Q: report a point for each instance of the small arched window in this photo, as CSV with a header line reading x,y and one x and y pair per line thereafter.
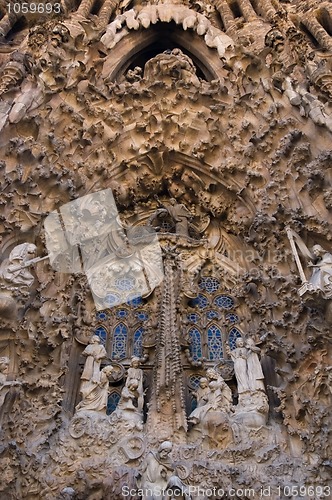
x,y
214,342
112,402
196,343
211,321
119,345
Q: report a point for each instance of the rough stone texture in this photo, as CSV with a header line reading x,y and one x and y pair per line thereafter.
x,y
236,127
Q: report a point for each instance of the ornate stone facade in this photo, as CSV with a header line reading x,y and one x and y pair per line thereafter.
x,y
210,123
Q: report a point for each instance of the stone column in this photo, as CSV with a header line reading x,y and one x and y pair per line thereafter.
x,y
85,8
247,10
317,31
167,416
106,11
6,24
225,13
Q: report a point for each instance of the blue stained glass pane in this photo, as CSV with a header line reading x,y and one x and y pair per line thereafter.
x,y
201,301
119,349
233,335
212,314
142,316
112,402
101,315
232,318
193,317
215,343
122,313
135,302
102,334
224,302
193,404
125,284
194,381
195,344
112,299
211,285
138,337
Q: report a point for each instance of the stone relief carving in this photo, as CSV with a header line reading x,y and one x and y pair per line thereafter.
x,y
95,391
240,149
157,474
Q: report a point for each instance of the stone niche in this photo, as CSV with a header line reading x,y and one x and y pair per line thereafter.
x,y
165,301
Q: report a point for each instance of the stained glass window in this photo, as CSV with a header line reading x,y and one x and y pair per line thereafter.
x,y
102,334
101,315
141,316
193,317
233,335
122,313
232,318
214,343
194,381
200,301
224,302
119,348
112,402
195,344
138,337
135,302
212,314
211,285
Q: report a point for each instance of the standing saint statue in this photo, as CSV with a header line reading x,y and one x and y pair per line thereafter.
x,y
247,367
254,367
95,352
239,356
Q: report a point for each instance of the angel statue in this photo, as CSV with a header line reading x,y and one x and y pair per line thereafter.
x,y
319,260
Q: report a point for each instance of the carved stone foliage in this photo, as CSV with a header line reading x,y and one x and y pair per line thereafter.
x,y
209,122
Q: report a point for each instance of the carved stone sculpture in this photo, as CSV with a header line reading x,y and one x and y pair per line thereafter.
x,y
95,352
179,214
157,474
16,272
255,372
239,355
135,376
201,395
95,391
321,277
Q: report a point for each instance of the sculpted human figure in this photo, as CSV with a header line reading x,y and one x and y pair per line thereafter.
x,y
255,372
321,277
4,384
179,213
135,374
95,352
16,271
201,395
239,356
95,391
220,397
214,395
157,474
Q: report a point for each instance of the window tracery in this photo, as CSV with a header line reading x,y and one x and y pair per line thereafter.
x,y
211,320
121,329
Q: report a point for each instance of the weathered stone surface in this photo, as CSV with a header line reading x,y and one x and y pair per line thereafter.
x,y
211,123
